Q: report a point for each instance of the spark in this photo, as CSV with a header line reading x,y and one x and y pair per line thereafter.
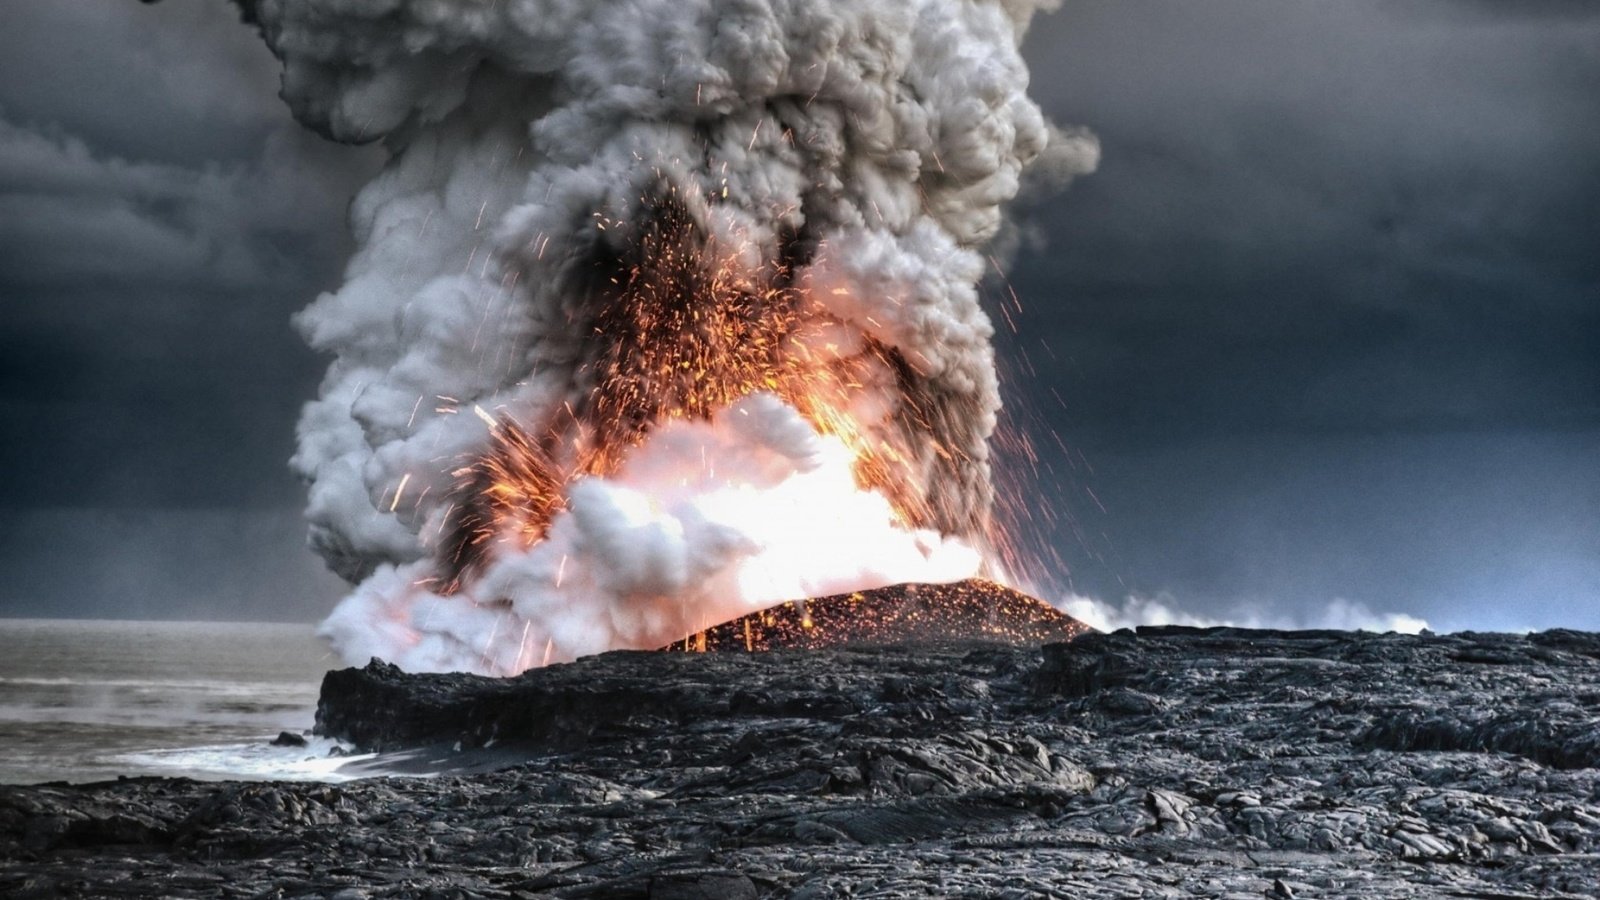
x,y
522,645
395,503
686,327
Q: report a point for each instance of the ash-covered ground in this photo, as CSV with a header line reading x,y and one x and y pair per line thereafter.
x,y
1168,763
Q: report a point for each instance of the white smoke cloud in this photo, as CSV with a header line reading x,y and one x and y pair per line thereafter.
x,y
706,522
1132,612
1070,154
529,139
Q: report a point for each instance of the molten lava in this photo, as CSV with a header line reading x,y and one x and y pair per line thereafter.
x,y
906,613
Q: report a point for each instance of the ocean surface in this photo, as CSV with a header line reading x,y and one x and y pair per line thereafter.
x,y
90,700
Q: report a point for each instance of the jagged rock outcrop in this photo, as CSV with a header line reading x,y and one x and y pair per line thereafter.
x,y
1168,763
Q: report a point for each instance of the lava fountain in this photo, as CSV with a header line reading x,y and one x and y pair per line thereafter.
x,y
662,313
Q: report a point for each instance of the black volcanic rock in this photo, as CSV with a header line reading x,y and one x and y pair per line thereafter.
x,y
382,708
1168,763
288,739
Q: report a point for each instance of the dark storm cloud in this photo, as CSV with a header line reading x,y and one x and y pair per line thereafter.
x,y
180,82
1494,11
1327,218
133,563
71,219
160,218
1327,319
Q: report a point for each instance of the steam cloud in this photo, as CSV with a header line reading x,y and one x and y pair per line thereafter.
x,y
834,166
1135,611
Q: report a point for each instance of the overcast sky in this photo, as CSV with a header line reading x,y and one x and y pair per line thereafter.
x,y
1324,326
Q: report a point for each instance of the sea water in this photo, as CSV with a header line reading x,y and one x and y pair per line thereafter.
x,y
87,700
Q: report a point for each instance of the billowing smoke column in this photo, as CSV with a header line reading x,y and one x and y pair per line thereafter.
x,y
662,312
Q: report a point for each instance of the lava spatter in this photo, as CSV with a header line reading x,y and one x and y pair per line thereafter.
x,y
899,614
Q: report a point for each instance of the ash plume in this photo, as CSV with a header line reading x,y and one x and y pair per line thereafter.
x,y
661,312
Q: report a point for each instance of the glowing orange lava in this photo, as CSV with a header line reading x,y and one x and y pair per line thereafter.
x,y
683,328
966,610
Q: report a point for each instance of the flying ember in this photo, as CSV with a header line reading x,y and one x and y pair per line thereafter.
x,y
656,319
682,331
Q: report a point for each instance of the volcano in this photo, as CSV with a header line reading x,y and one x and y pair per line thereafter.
x,y
635,343
900,614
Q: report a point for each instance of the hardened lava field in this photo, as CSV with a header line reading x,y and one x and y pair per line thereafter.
x,y
901,614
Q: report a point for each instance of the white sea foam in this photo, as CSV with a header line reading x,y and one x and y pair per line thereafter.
x,y
250,760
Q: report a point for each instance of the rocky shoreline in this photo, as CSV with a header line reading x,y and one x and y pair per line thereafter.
x,y
1168,763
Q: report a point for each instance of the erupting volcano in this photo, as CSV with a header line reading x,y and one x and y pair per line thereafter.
x,y
659,316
